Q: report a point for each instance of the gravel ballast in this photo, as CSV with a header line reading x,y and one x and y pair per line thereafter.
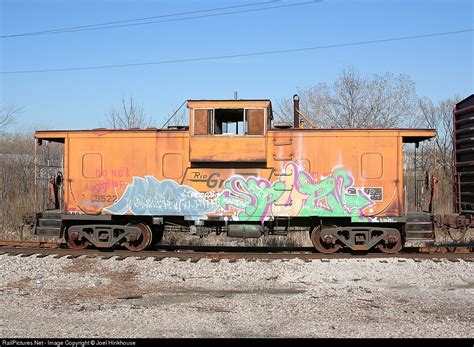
x,y
93,297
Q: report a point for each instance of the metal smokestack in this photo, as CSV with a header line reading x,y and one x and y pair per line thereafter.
x,y
296,111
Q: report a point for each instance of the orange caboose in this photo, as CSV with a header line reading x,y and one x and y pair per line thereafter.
x,y
231,170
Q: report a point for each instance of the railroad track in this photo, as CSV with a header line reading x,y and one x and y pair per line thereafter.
x,y
194,254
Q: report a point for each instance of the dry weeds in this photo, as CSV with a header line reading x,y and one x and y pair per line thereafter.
x,y
294,239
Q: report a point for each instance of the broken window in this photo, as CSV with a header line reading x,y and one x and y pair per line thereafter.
x,y
229,121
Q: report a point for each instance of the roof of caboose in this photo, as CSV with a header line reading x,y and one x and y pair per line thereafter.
x,y
231,100
408,135
229,103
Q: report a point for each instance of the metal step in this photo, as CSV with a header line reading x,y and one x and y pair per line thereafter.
x,y
418,231
418,217
420,236
48,231
419,240
51,215
418,226
54,223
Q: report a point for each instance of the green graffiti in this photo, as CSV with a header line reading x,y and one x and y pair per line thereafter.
x,y
326,198
332,191
252,195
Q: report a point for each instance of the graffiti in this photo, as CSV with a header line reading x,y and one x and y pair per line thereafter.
x,y
296,193
253,196
382,220
149,196
249,198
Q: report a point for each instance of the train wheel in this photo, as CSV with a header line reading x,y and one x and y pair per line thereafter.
x,y
325,246
143,240
74,241
394,246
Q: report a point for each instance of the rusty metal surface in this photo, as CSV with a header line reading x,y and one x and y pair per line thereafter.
x,y
139,242
325,245
296,111
74,240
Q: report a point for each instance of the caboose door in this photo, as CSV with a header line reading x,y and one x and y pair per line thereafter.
x,y
48,171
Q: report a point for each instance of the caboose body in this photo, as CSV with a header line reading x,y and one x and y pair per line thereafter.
x,y
232,171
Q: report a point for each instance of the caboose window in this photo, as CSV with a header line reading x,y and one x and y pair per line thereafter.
x,y
226,121
229,121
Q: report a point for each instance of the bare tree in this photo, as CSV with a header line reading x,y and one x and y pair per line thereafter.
x,y
439,117
128,115
8,115
440,150
355,101
16,181
435,157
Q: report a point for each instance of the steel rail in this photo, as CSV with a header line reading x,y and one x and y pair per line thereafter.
x,y
196,255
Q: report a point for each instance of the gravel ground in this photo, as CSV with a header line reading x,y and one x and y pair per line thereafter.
x,y
89,297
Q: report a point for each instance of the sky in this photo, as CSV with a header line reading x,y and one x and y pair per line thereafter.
x,y
441,66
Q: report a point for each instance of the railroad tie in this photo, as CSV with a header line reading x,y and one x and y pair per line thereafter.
x,y
73,256
41,255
